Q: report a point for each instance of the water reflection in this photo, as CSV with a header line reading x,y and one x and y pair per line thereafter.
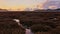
x,y
28,30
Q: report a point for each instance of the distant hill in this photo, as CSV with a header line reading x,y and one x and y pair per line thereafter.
x,y
3,10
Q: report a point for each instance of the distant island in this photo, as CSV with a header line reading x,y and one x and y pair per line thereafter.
x,y
36,10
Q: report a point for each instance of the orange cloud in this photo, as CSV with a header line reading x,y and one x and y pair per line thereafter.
x,y
4,5
52,7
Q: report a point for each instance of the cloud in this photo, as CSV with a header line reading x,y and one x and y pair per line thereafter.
x,y
19,3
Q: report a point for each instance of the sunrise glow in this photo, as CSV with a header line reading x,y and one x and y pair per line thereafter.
x,y
20,4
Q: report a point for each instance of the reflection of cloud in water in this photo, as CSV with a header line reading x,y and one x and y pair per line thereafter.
x,y
18,22
28,31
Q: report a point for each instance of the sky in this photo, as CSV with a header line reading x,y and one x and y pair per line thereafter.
x,y
20,4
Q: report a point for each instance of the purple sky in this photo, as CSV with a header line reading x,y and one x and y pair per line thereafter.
x,y
52,3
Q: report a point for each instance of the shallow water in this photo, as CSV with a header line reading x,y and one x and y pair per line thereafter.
x,y
28,31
